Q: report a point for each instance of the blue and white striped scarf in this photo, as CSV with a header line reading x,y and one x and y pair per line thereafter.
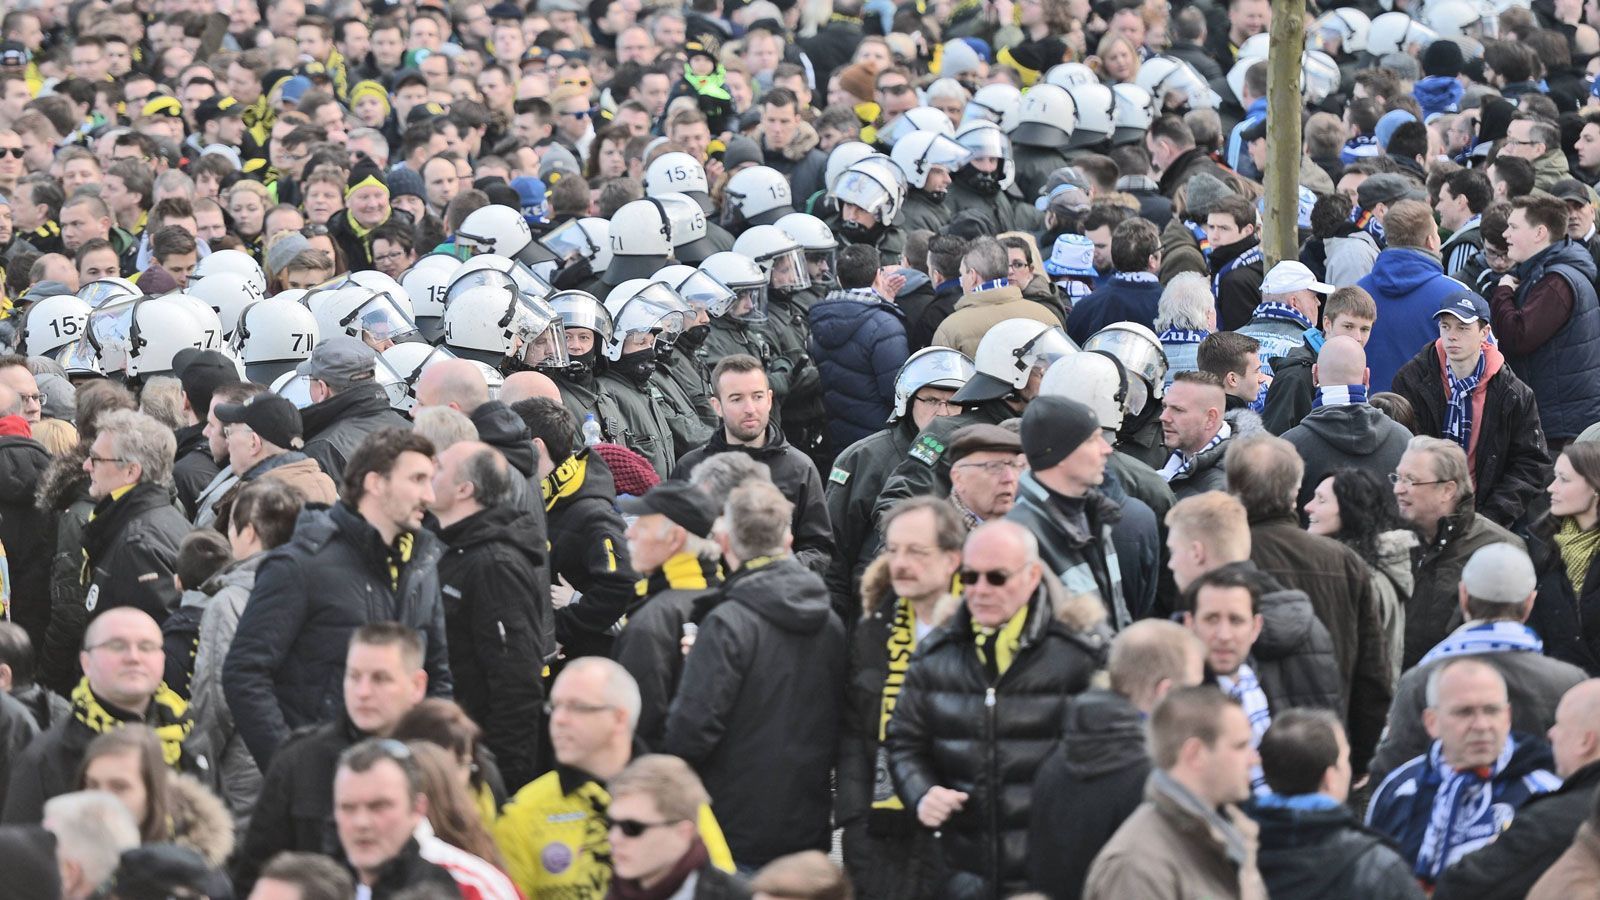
x,y
1271,309
1340,395
1179,464
1458,404
1244,687
1486,637
1463,816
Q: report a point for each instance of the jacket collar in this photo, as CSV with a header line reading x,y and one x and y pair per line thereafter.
x,y
1223,829
1007,293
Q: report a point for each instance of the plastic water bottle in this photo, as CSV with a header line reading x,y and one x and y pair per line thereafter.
x,y
591,430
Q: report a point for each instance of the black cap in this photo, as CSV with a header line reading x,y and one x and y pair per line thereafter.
x,y
1571,190
981,387
683,503
1053,427
506,11
28,857
1256,131
273,417
1443,57
217,108
201,372
161,871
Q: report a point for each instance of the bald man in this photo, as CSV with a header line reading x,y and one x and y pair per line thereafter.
x,y
524,385
122,663
1343,429
1545,825
460,385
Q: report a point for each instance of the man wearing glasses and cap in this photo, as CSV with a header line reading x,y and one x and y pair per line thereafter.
x,y
957,717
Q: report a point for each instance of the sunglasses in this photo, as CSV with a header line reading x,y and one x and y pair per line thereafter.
x,y
633,827
13,152
993,578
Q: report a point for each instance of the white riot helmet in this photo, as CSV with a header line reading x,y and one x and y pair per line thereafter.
x,y
498,325
1319,76
228,293
1167,77
588,237
409,361
1256,46
1347,25
758,195
160,327
580,309
426,283
917,154
1099,381
1135,113
1395,32
1238,73
1139,351
643,307
843,157
273,336
490,268
678,172
108,290
746,280
1455,18
51,324
236,261
1097,114
817,241
502,231
939,367
778,254
361,313
1008,354
875,185
698,289
1046,118
1068,74
687,224
641,240
985,140
210,323
916,121
997,103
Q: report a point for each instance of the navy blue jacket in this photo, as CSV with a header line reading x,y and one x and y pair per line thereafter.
x,y
1407,285
1562,371
1118,300
859,345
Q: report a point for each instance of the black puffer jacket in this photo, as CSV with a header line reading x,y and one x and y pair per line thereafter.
x,y
295,811
1088,786
757,711
1089,560
1292,392
335,427
501,428
494,617
796,476
24,533
285,668
131,552
1293,657
589,549
953,728
1541,832
1325,854
193,467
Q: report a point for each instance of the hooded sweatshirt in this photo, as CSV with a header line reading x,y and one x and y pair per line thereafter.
x,y
1438,94
1407,284
1355,434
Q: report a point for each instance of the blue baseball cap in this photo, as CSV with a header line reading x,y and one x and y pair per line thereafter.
x,y
531,192
1465,304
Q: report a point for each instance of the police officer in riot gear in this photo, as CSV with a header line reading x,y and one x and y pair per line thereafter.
x,y
642,311
1044,126
588,326
927,159
788,330
869,194
986,182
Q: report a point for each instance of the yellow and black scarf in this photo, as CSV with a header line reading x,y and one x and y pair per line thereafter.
x,y
564,481
683,572
168,717
399,555
902,642
997,647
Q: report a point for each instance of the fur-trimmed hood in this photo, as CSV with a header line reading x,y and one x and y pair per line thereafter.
x,y
876,589
1081,613
804,141
200,821
64,482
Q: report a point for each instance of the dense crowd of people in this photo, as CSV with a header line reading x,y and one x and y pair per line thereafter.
x,y
548,449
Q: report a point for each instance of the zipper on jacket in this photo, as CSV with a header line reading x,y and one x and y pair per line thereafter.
x,y
997,841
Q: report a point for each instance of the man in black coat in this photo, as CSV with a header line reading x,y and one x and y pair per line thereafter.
x,y
758,707
1094,779
1311,844
383,680
669,543
494,612
24,528
367,559
983,703
1343,430
200,373
742,397
348,403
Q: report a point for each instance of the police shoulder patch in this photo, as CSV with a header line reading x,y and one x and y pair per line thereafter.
x,y
927,450
838,475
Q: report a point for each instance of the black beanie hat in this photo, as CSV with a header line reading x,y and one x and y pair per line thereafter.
x,y
1053,427
1443,57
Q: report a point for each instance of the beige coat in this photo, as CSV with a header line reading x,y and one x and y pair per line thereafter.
x,y
1576,873
1167,850
976,313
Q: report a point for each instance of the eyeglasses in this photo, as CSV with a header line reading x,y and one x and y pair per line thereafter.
x,y
31,398
940,403
385,257
633,827
107,459
572,706
1016,264
993,577
1398,479
120,647
580,114
13,152
994,467
314,231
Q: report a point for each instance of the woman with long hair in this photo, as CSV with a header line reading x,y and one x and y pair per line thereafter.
x,y
1563,545
168,807
1357,509
607,154
444,724
460,843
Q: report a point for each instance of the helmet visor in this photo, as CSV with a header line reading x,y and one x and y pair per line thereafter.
x,y
381,323
79,358
821,266
704,291
860,189
569,240
788,271
98,293
748,305
539,337
1136,353
476,278
986,142
1049,346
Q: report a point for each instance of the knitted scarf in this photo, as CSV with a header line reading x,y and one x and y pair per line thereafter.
x,y
902,641
1577,550
1486,637
997,647
1200,238
1271,309
168,716
1179,464
1182,336
1340,395
1462,812
1245,688
1458,411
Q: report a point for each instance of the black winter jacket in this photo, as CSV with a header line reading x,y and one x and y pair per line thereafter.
x,y
851,491
501,428
954,728
1205,474
588,548
1568,622
1357,435
25,534
358,248
406,871
494,618
758,708
64,496
131,551
1510,461
1339,586
859,345
1238,288
1088,560
337,425
1293,657
295,808
1434,604
796,476
193,467
1088,786
17,730
925,467
1326,854
1292,391
285,668
1543,830
924,318
650,647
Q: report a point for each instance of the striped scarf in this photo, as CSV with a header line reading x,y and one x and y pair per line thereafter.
x,y
1458,412
902,641
167,716
1463,816
1182,336
1486,637
1179,464
1340,395
1271,309
997,647
1244,688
